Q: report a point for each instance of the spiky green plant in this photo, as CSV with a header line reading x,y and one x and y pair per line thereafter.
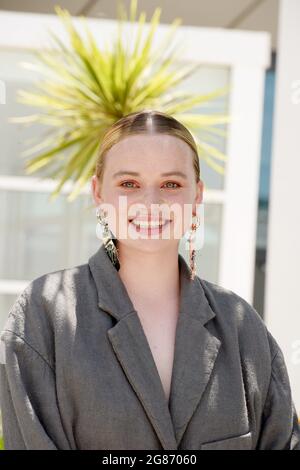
x,y
86,89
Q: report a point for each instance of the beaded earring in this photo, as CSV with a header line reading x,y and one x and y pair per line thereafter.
x,y
190,236
103,233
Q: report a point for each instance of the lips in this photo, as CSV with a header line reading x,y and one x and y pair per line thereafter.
x,y
149,227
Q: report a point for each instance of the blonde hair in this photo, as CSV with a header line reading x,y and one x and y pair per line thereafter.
x,y
145,122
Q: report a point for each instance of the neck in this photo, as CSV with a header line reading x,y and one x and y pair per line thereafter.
x,y
150,275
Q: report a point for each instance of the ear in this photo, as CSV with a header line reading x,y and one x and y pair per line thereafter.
x,y
96,188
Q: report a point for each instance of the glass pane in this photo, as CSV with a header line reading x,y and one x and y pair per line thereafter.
x,y
38,236
208,79
14,136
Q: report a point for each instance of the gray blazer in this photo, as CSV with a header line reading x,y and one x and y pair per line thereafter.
x,y
77,371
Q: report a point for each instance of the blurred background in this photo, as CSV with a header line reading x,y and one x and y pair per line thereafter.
x,y
252,226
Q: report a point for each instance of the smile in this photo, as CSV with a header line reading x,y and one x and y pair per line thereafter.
x,y
149,227
145,224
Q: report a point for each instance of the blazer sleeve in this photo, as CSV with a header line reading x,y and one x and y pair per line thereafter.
x,y
280,428
30,414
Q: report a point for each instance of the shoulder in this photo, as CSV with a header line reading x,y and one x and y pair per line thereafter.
x,y
53,285
238,318
229,306
50,288
40,308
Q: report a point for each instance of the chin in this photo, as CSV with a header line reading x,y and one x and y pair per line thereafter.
x,y
149,245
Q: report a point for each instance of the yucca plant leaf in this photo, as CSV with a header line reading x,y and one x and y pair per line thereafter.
x,y
42,159
211,151
87,171
199,120
77,163
84,86
192,101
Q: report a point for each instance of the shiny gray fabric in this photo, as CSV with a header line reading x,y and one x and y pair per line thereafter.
x,y
77,371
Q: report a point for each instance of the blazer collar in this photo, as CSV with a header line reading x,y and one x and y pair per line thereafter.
x,y
196,349
114,299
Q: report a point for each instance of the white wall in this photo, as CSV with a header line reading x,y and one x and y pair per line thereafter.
x,y
282,308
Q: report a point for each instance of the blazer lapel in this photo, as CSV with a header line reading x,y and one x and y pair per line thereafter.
x,y
195,351
131,347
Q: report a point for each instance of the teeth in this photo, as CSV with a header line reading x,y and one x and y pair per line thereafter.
x,y
146,224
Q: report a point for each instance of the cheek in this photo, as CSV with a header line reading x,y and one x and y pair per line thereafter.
x,y
183,215
120,208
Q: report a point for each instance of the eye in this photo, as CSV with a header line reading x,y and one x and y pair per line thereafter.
x,y
127,182
172,182
132,183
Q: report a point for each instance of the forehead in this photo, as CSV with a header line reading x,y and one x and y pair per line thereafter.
x,y
146,152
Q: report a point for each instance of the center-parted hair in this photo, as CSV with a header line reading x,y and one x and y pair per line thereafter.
x,y
145,122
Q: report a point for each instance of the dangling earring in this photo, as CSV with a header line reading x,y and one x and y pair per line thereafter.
x,y
103,233
192,252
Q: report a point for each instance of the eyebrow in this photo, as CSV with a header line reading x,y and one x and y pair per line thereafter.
x,y
134,173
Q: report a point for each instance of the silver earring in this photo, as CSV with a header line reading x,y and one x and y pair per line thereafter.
x,y
103,233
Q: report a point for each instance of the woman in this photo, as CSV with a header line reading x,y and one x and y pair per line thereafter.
x,y
132,350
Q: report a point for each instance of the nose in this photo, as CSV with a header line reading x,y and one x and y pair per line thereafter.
x,y
151,196
150,202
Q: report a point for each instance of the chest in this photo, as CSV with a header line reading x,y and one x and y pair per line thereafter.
x,y
160,330
108,390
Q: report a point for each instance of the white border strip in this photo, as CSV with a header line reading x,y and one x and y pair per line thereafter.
x,y
217,46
